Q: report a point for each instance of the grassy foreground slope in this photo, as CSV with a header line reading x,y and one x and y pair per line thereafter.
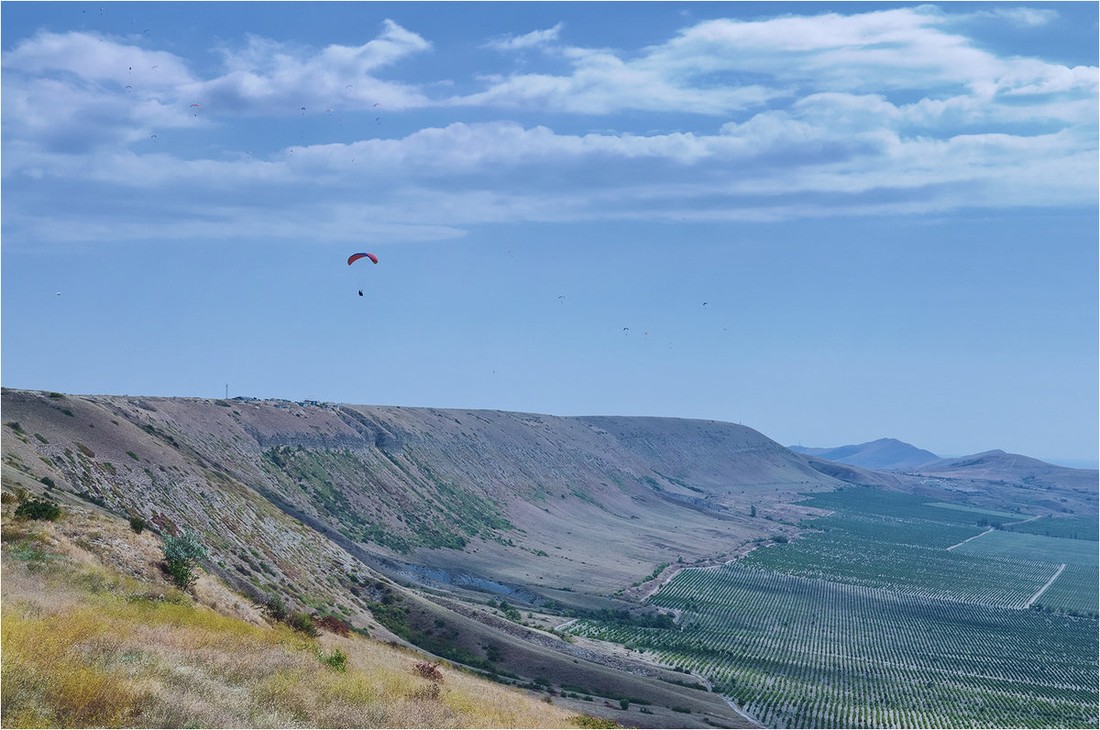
x,y
93,636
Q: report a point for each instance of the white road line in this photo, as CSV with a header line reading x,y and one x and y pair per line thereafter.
x,y
971,538
1041,590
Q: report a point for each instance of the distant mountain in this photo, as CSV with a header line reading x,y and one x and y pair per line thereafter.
x,y
880,454
999,465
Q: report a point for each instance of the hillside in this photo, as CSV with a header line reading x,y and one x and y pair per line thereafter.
x,y
94,635
337,509
1001,466
886,453
484,489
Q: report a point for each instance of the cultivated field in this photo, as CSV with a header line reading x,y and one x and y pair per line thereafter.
x,y
873,622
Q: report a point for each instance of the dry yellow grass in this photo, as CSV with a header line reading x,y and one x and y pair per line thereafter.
x,y
86,646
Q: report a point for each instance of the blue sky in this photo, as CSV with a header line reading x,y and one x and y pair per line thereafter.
x,y
832,222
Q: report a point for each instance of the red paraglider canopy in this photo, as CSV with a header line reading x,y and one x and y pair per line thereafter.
x,y
356,256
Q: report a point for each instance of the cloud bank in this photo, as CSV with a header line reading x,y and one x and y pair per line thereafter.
x,y
870,113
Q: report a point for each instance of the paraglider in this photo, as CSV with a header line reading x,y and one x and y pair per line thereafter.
x,y
356,256
363,255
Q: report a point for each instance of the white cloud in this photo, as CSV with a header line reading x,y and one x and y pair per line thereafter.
x,y
92,59
265,77
533,39
1022,17
73,91
873,112
726,66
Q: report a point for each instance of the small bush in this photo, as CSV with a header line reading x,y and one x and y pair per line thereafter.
x,y
429,671
300,621
137,524
427,692
182,554
275,607
48,482
38,509
93,498
334,625
337,660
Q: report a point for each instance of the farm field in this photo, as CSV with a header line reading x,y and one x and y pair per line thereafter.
x,y
1027,546
1076,528
920,571
870,621
976,510
1074,591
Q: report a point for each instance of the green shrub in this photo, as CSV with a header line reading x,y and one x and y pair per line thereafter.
x,y
275,607
300,621
337,660
137,524
181,556
38,509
